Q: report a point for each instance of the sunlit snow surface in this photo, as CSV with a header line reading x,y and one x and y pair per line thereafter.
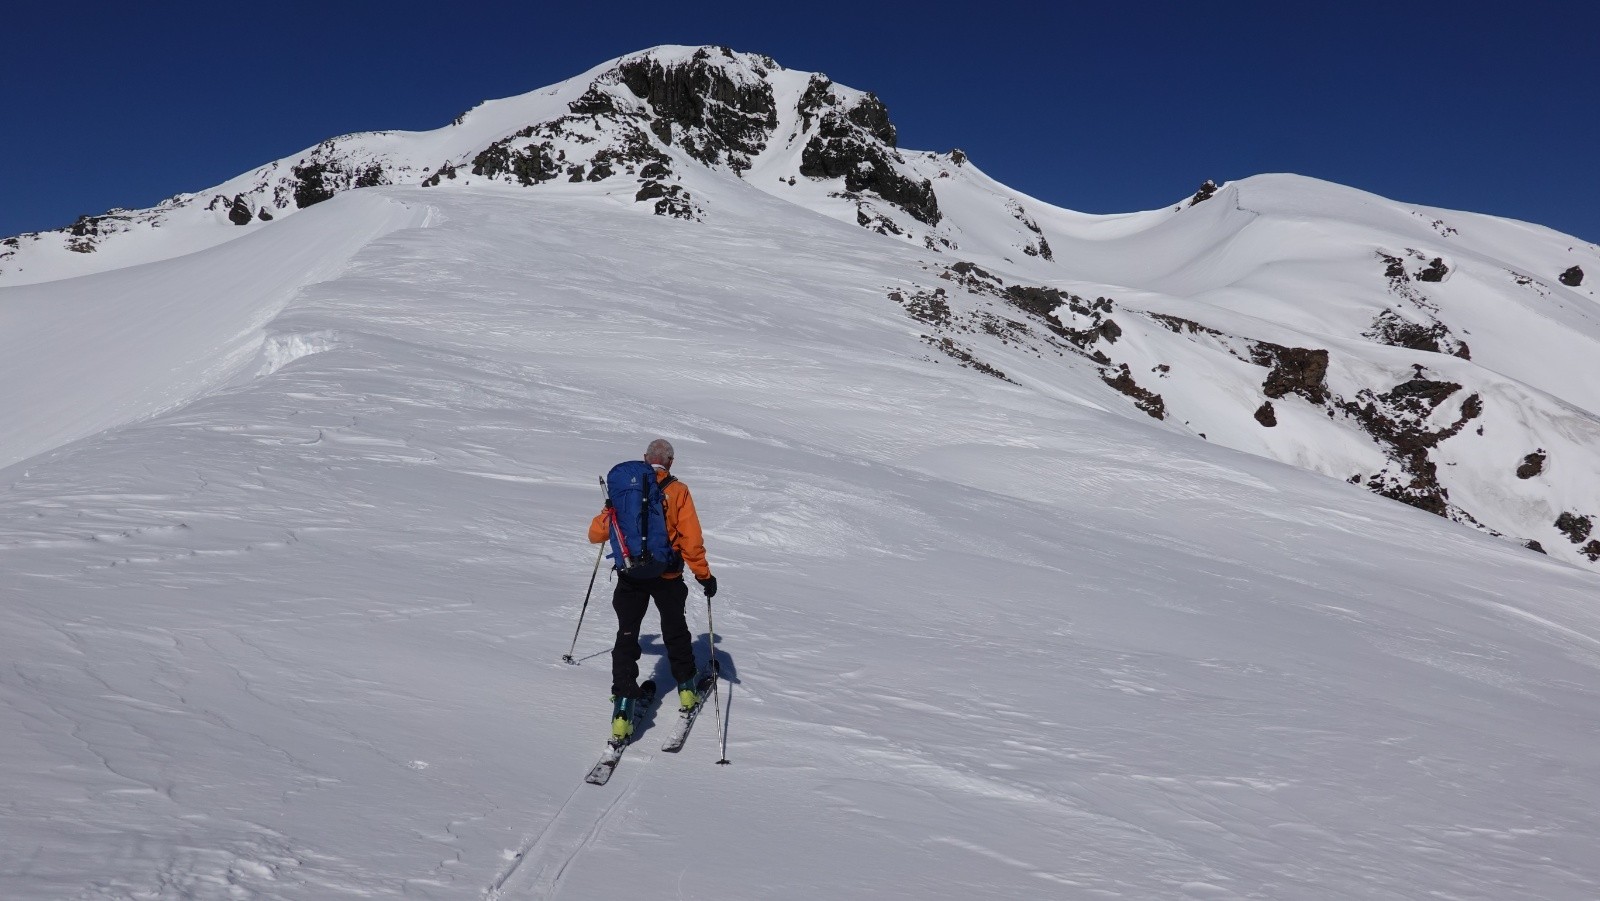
x,y
290,625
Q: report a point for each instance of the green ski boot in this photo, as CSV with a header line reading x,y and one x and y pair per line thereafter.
x,y
621,719
689,694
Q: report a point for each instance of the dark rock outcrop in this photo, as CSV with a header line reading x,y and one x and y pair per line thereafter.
x,y
1038,247
1266,415
1575,527
962,355
1207,191
594,102
671,200
1396,331
314,183
1532,465
1295,370
326,175
529,165
1435,271
858,145
1572,278
1179,325
712,117
1397,420
872,220
1150,402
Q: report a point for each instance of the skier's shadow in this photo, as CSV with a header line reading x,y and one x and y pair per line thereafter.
x,y
651,645
727,670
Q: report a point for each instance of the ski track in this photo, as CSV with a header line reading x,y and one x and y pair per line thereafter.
x,y
564,838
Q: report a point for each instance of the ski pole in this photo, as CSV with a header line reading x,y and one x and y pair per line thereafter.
x,y
716,677
568,655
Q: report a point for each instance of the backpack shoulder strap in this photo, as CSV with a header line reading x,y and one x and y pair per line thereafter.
x,y
663,486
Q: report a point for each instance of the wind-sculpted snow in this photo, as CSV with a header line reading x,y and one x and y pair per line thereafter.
x,y
300,636
85,355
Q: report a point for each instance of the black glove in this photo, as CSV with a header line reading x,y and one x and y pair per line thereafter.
x,y
708,585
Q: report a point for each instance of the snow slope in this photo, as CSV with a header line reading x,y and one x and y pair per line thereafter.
x,y
291,546
300,638
98,351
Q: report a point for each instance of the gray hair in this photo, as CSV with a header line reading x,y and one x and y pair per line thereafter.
x,y
659,452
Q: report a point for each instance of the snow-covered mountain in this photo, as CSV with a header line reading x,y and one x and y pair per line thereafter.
x,y
1440,358
296,473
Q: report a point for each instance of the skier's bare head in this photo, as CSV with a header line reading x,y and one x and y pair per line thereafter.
x,y
659,453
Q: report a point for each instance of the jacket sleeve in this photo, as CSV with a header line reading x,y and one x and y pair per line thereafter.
x,y
597,529
684,525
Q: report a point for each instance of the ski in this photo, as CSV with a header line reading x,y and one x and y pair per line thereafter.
x,y
686,718
603,768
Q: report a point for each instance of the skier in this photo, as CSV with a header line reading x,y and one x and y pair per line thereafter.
x,y
632,597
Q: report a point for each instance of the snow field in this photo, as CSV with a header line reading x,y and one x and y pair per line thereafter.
x,y
300,636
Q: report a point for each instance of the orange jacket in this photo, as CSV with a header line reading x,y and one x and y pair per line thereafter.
x,y
683,527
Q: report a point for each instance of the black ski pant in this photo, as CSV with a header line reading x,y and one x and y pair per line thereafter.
x,y
631,600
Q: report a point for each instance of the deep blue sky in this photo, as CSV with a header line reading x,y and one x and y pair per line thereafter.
x,y
1103,107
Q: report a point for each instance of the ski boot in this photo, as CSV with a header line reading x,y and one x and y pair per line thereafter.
x,y
621,719
689,696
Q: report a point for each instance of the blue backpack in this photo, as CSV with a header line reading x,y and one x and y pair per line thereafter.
x,y
637,504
